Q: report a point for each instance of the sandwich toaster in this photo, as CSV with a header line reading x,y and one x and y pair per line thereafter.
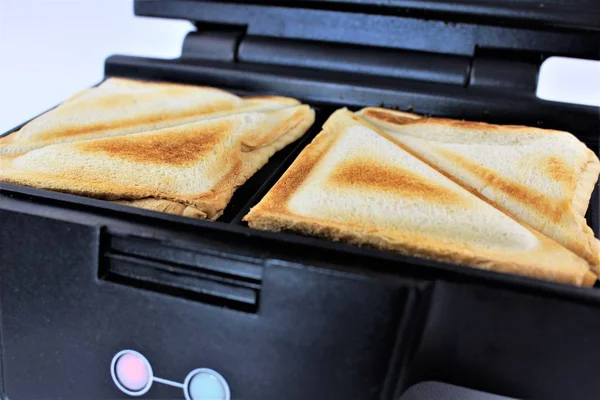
x,y
99,300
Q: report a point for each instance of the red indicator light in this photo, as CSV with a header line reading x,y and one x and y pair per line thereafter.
x,y
131,372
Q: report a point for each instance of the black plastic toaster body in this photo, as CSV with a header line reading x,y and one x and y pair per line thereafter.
x,y
283,316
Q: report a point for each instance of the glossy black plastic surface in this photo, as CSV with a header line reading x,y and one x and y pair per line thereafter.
x,y
279,315
358,59
493,25
62,325
551,14
283,316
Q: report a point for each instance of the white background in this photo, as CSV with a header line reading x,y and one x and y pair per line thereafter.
x,y
50,49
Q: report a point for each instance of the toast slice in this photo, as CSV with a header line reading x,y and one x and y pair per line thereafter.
x,y
190,169
353,183
122,106
543,178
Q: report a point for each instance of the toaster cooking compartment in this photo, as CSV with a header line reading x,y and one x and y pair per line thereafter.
x,y
278,315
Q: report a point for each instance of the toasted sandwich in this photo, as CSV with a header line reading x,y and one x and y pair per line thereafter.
x,y
356,184
123,106
190,169
543,178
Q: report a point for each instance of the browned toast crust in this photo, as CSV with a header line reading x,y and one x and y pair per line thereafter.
x,y
273,213
238,156
561,219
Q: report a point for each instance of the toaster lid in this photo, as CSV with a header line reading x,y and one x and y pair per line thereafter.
x,y
541,28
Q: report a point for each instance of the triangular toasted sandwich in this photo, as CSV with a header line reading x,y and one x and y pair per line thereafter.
x,y
541,177
190,169
121,106
354,183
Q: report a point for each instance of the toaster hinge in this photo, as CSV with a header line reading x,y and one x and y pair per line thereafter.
x,y
488,68
504,70
212,44
354,59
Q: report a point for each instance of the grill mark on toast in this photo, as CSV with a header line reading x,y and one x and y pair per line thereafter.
x,y
555,168
485,127
137,121
178,148
298,172
363,173
526,196
396,117
392,118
